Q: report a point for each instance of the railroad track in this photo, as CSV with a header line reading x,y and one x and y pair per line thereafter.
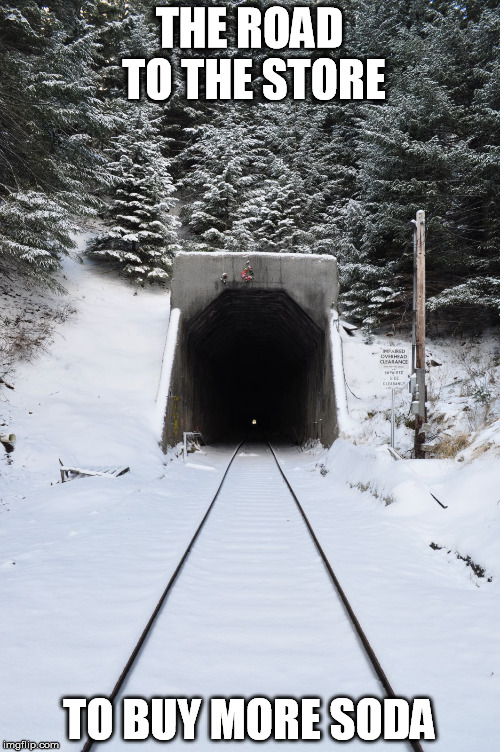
x,y
268,497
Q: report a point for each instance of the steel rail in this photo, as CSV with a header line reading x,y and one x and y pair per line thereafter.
x,y
142,639
415,744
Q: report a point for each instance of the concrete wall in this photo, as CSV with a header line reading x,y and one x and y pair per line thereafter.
x,y
310,280
305,401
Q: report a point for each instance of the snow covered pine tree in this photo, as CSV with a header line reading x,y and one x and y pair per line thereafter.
x,y
143,240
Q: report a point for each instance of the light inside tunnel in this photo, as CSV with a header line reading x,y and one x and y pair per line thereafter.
x,y
254,358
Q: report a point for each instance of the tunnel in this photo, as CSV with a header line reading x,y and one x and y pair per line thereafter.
x,y
253,363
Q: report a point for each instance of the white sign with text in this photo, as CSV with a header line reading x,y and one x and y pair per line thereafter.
x,y
395,364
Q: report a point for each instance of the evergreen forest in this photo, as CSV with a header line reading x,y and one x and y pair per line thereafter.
x,y
302,176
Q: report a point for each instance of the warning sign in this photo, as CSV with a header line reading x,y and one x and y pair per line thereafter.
x,y
395,364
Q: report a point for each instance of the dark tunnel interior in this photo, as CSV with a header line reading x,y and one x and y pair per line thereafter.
x,y
255,367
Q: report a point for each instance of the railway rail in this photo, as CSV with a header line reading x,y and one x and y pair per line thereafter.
x,y
140,646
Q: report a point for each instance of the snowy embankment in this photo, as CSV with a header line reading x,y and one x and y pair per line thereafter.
x,y
432,621
90,399
463,391
84,563
462,472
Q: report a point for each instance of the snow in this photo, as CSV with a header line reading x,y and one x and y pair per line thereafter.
x,y
239,254
166,369
84,563
252,579
430,620
343,417
462,379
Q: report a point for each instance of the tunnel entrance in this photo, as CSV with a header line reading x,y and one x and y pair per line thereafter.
x,y
243,351
255,366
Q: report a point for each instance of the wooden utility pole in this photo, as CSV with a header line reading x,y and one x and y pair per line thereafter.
x,y
419,304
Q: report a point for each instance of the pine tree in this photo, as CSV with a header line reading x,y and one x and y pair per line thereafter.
x,y
337,177
217,166
142,239
260,178
425,148
51,124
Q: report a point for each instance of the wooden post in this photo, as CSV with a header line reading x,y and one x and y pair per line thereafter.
x,y
414,303
420,417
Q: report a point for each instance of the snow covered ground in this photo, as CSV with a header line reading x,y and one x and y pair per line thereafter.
x,y
463,387
83,563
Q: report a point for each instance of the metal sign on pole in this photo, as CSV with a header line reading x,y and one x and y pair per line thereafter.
x,y
395,365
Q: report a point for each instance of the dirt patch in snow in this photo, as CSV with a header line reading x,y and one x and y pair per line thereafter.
x,y
479,571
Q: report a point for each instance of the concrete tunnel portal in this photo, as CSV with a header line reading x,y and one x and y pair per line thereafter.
x,y
251,359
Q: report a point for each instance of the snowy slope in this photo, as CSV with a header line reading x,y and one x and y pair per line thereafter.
x,y
91,400
432,621
463,387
